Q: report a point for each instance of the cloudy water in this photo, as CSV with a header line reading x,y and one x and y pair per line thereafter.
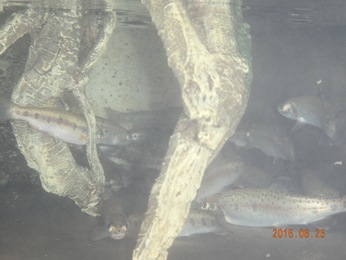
x,y
285,154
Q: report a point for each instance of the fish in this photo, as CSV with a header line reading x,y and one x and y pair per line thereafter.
x,y
336,129
117,176
312,185
115,223
286,184
201,222
147,154
271,208
113,134
164,119
134,222
311,110
68,127
253,177
219,174
269,139
240,139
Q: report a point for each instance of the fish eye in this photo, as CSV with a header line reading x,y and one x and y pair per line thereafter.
x,y
205,205
111,228
134,136
286,107
123,229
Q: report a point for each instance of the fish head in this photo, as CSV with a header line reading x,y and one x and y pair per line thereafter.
x,y
113,136
309,110
289,110
117,232
240,139
209,205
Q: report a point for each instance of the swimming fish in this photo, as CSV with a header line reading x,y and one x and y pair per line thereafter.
x,y
267,138
113,134
115,224
336,129
219,174
201,222
240,139
268,208
312,185
253,177
66,126
164,119
311,110
117,176
134,222
286,184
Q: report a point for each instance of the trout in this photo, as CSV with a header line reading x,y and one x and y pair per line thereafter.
x,y
66,126
115,224
201,222
268,208
309,110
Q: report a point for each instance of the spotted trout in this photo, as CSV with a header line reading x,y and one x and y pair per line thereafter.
x,y
219,175
66,126
267,208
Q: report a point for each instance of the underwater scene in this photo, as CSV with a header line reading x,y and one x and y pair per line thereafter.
x,y
175,130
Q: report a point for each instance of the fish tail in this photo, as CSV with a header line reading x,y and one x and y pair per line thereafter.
x,y
99,233
5,107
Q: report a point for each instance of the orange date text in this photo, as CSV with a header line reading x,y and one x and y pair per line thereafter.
x,y
299,233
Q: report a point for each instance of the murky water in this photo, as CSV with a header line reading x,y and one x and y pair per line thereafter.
x,y
298,48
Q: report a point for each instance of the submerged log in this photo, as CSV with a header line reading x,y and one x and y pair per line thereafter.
x,y
208,49
53,67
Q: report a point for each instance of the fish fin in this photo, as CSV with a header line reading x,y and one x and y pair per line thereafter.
x,y
297,126
228,228
220,231
320,92
134,227
285,184
123,119
5,106
322,96
99,233
326,223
